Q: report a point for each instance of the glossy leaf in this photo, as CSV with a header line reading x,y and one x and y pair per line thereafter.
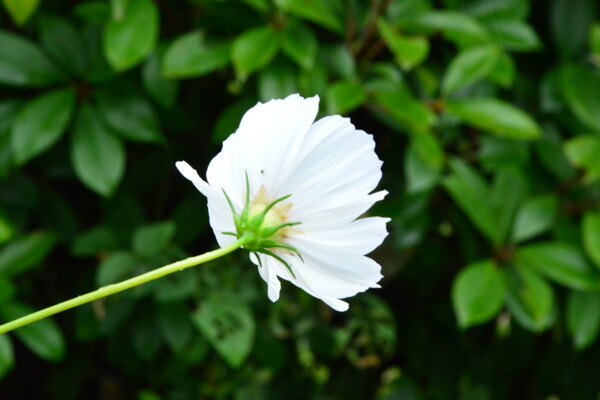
x,y
478,293
515,35
129,40
64,44
509,190
228,326
458,27
189,56
470,66
6,355
561,262
583,318
41,123
409,51
530,299
569,22
25,252
535,217
254,49
590,232
149,240
322,12
497,117
97,155
582,151
162,90
300,43
43,337
345,96
116,267
22,63
423,163
580,87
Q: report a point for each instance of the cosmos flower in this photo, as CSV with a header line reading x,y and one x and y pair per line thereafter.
x,y
327,169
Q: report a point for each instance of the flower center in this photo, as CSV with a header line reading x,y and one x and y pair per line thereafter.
x,y
277,215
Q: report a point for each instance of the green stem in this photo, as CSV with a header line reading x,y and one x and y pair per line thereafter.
x,y
121,286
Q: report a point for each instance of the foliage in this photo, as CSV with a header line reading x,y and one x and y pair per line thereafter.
x,y
486,113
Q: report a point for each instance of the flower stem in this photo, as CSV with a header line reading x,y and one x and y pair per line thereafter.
x,y
121,286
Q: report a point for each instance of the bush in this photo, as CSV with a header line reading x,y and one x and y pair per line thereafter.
x,y
486,114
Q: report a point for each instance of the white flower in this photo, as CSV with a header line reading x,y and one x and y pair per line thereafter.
x,y
329,170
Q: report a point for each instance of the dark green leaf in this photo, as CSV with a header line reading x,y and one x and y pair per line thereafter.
x,y
94,242
42,337
25,252
228,325
174,325
130,39
401,105
560,262
6,355
41,123
470,66
583,318
190,56
535,217
254,49
162,90
64,44
322,12
595,39
530,299
497,153
515,35
570,21
115,268
98,156
509,190
300,43
423,163
580,87
457,27
590,232
21,10
151,239
478,293
130,115
504,71
276,81
471,193
23,64
497,117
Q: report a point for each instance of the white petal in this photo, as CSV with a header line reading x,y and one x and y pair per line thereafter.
x,y
268,274
359,237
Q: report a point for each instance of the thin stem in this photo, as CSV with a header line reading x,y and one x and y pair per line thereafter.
x,y
121,286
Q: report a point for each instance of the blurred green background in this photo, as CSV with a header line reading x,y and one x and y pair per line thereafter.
x,y
485,112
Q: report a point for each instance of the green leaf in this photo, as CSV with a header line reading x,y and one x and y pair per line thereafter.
x,y
7,358
276,81
457,27
41,123
580,87
162,90
504,71
534,217
25,252
93,242
471,193
174,325
21,10
345,96
470,66
515,35
300,43
595,39
322,12
497,153
583,318
561,262
151,239
497,117
129,115
42,337
570,21
424,161
530,299
22,63
509,190
228,326
115,268
98,156
254,49
64,44
582,151
190,56
130,39
402,106
478,293
409,51
118,8
590,232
